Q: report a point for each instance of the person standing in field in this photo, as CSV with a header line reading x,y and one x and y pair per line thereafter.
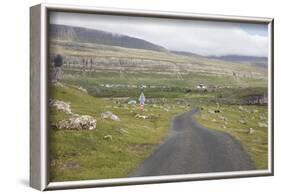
x,y
58,62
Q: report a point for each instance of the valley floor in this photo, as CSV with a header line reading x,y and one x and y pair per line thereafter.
x,y
82,155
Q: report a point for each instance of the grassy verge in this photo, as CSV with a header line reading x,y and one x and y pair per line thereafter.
x,y
81,155
237,121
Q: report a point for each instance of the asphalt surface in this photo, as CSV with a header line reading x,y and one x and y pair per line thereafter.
x,y
192,148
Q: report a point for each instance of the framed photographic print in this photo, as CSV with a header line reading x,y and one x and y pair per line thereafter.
x,y
124,97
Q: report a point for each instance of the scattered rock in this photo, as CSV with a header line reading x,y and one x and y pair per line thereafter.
x,y
243,122
115,118
255,111
57,84
224,127
154,116
166,109
211,111
240,108
262,124
132,102
178,103
221,117
214,120
109,115
141,116
251,131
107,137
61,105
76,122
82,89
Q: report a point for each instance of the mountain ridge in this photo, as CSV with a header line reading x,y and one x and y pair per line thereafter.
x,y
88,35
101,37
243,59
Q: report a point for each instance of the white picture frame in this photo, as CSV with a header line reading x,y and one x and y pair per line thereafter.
x,y
39,165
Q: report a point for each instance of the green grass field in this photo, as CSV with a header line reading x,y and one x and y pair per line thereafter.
x,y
170,82
80,155
237,122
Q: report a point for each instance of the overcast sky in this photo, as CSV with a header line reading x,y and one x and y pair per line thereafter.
x,y
201,37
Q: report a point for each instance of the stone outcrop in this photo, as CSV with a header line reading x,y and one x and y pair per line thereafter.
x,y
80,88
109,115
61,106
108,137
77,122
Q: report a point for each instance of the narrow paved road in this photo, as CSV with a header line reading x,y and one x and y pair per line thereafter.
x,y
192,148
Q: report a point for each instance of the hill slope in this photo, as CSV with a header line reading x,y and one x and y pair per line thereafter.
x,y
87,154
249,60
87,35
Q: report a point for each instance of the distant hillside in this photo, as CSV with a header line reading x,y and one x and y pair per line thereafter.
x,y
86,35
250,60
185,53
247,60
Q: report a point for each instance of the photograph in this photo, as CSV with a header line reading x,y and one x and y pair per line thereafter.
x,y
132,96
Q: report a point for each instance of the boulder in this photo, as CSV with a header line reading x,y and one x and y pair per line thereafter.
x,y
251,131
243,122
166,109
82,89
77,122
221,117
262,124
132,102
61,105
109,115
107,137
141,116
240,108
